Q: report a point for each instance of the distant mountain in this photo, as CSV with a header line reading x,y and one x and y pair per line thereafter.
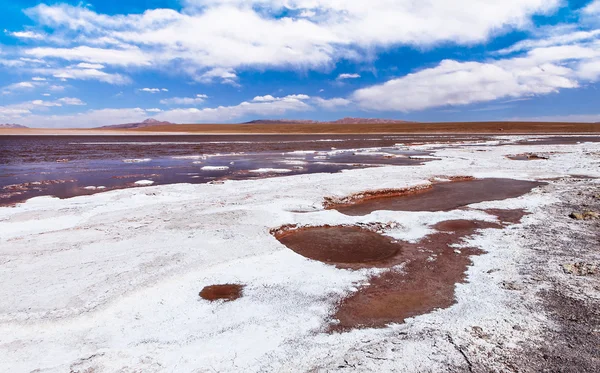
x,y
8,125
147,123
367,121
339,121
279,121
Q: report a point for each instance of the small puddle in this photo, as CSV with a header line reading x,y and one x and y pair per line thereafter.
x,y
226,292
420,277
443,196
340,245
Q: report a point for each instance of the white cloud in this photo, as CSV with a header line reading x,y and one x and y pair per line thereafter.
x,y
267,98
21,85
91,118
16,111
153,90
27,35
83,74
224,75
46,94
56,88
155,110
554,36
210,40
348,76
32,61
71,101
184,100
85,65
38,79
118,57
539,71
15,87
95,118
332,103
593,8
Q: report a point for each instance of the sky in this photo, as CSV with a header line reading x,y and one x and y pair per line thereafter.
x,y
102,62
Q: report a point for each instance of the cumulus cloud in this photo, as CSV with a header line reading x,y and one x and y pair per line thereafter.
x,y
83,74
95,118
332,103
85,65
27,35
91,118
184,100
70,101
209,40
16,111
119,57
15,87
540,71
153,90
348,76
593,8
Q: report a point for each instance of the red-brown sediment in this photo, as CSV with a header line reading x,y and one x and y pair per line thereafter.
x,y
340,245
508,216
226,292
443,196
421,276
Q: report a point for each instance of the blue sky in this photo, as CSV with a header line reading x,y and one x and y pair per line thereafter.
x,y
86,64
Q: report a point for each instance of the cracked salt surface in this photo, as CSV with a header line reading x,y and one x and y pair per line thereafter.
x,y
111,281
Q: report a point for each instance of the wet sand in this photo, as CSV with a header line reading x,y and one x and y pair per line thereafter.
x,y
442,196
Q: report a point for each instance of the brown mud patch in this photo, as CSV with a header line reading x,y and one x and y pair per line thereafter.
x,y
443,196
526,157
420,277
226,292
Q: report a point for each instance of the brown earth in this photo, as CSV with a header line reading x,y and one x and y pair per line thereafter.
x,y
335,128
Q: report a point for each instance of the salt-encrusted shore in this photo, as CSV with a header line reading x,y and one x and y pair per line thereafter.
x,y
110,282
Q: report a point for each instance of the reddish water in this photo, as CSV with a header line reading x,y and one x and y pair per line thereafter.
x,y
442,196
425,280
226,292
340,244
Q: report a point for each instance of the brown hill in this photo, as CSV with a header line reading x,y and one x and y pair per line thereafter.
x,y
11,125
147,123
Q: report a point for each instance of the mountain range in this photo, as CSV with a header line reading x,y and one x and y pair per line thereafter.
x,y
11,125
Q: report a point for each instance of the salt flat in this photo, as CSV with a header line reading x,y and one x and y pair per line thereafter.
x,y
110,282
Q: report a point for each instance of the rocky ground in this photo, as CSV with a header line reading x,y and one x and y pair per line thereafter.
x,y
565,272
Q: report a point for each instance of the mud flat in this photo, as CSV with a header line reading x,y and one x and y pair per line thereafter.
x,y
111,281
